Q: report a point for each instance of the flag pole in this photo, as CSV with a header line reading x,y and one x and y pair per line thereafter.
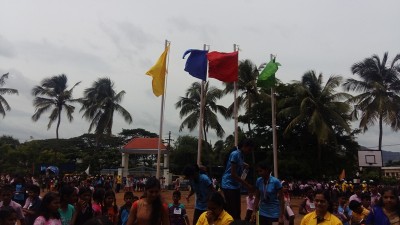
x,y
235,107
161,123
201,119
274,136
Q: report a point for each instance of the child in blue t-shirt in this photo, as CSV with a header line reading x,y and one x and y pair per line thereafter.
x,y
177,211
123,214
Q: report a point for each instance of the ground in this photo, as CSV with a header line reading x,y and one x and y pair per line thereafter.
x,y
167,197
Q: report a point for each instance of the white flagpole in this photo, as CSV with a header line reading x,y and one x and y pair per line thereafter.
x,y
201,119
274,136
161,121
235,107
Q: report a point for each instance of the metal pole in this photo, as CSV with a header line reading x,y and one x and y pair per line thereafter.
x,y
274,136
201,119
161,125
235,107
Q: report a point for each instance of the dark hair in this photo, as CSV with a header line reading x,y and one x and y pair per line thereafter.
x,y
84,190
156,206
395,193
109,193
177,193
6,212
365,196
112,194
264,165
243,142
354,204
129,194
65,192
191,170
98,194
43,209
217,198
327,197
357,187
34,188
246,142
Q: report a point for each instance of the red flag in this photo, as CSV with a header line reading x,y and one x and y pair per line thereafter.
x,y
223,66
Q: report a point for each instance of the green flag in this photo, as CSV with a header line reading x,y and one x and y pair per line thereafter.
x,y
266,79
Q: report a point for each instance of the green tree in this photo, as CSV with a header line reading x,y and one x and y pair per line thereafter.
x,y
246,88
317,108
99,103
297,153
53,94
4,106
185,153
190,107
128,134
379,88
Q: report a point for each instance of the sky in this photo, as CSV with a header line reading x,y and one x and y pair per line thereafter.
x,y
90,39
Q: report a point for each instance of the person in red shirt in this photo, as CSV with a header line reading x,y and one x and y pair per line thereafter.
x,y
149,210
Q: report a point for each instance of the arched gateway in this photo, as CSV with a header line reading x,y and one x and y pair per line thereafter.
x,y
142,146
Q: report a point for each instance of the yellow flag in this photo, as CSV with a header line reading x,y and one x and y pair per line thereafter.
x,y
158,72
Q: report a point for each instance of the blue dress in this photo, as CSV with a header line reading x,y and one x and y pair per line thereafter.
x,y
377,217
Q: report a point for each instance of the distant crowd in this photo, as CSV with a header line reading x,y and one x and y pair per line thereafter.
x,y
81,200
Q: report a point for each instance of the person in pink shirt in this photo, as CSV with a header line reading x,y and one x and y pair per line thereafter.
x,y
98,199
48,212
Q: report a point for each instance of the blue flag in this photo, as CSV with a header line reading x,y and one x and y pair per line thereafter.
x,y
196,64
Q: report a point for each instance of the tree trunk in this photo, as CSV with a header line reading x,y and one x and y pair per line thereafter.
x,y
319,156
58,122
380,133
58,126
380,142
253,156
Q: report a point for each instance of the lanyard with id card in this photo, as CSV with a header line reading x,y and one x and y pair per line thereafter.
x,y
177,211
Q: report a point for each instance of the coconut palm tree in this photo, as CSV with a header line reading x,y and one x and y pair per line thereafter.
x,y
379,88
52,94
317,108
246,88
99,103
4,106
190,107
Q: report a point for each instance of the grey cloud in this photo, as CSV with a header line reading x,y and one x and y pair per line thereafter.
x,y
20,82
129,38
203,31
56,54
6,48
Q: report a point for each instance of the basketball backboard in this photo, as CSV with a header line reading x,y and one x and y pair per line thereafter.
x,y
369,158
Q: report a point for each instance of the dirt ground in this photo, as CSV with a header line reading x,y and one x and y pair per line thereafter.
x,y
167,197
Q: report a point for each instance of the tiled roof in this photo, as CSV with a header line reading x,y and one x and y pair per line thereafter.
x,y
143,144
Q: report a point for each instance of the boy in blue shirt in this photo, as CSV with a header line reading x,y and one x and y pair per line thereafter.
x,y
124,210
201,185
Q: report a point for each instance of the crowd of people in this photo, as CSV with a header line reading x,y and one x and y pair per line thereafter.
x,y
76,200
